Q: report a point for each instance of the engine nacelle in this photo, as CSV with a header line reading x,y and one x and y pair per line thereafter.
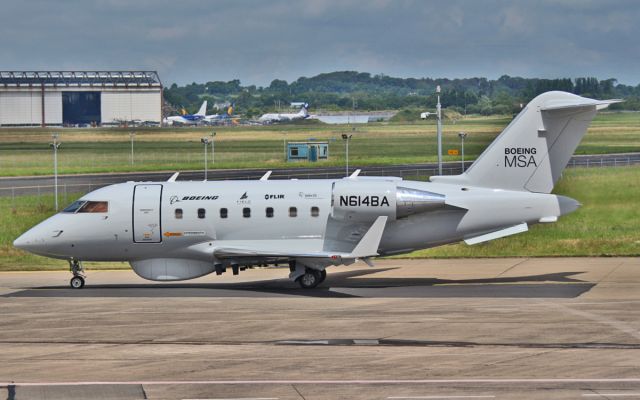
x,y
367,200
171,269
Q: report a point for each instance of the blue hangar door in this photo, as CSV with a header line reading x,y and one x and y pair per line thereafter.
x,y
81,108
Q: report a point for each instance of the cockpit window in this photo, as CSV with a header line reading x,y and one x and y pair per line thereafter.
x,y
94,207
73,207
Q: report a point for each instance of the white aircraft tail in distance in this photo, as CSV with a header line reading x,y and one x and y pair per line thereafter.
x,y
270,118
178,230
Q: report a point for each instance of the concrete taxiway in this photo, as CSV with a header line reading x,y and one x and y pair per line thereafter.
x,y
406,329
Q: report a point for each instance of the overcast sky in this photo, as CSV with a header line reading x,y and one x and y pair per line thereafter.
x,y
258,41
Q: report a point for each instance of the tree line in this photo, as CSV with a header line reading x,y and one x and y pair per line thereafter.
x,y
348,90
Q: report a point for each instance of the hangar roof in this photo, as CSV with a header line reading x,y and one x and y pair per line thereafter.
x,y
80,78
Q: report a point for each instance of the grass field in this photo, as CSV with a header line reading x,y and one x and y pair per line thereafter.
x,y
608,224
26,151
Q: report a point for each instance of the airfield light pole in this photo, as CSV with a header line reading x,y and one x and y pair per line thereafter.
x,y
462,136
205,142
213,147
131,136
439,130
346,139
55,145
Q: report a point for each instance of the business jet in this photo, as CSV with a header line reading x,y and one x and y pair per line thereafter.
x,y
178,230
188,119
286,117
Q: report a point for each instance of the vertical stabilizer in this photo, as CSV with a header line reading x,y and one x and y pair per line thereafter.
x,y
203,109
533,150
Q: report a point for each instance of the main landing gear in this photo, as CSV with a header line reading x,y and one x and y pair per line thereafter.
x,y
77,282
310,278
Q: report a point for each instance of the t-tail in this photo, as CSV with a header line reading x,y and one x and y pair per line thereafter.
x,y
533,150
304,110
203,110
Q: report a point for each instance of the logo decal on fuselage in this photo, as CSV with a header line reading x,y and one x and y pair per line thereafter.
x,y
359,201
185,198
520,157
273,196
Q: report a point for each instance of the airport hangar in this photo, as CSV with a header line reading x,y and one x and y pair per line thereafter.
x,y
77,98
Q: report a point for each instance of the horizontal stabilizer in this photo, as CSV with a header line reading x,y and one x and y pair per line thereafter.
x,y
581,102
498,234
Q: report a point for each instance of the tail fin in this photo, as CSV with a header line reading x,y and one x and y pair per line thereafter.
x,y
203,109
304,110
230,109
531,153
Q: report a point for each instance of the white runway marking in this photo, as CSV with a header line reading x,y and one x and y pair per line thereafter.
x,y
607,395
241,398
328,382
443,397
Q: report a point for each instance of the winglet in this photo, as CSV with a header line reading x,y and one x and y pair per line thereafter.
x,y
266,176
368,245
355,174
173,177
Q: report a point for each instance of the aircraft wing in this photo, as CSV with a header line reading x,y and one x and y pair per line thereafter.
x,y
366,247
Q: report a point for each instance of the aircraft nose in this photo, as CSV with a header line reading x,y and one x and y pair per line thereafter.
x,y
26,241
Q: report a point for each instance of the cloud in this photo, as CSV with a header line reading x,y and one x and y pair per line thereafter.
x,y
259,41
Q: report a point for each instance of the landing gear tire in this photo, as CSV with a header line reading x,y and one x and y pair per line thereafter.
x,y
310,279
77,282
323,275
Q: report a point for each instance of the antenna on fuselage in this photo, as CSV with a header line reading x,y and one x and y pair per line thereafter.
x,y
173,177
266,176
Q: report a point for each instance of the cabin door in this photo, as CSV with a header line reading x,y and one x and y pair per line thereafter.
x,y
146,214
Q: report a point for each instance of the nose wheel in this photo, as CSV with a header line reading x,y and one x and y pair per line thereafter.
x,y
77,282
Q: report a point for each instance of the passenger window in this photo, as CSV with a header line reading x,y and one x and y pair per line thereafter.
x,y
178,213
224,213
315,211
293,212
246,212
201,213
94,207
269,212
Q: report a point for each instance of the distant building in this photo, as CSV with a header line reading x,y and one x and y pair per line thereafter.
x,y
307,151
297,104
41,98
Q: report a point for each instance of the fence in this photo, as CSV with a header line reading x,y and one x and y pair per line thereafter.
x,y
406,172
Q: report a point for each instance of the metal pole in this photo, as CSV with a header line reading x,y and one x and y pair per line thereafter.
x,y
55,168
347,171
439,131
132,135
213,148
205,142
462,146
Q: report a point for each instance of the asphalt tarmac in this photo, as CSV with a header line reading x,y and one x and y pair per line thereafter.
x,y
549,328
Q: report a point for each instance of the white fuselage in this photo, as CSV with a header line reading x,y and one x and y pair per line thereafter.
x,y
188,219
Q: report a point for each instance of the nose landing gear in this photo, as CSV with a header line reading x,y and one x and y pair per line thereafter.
x,y
76,268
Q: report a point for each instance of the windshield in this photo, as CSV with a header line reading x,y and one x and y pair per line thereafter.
x,y
73,207
83,206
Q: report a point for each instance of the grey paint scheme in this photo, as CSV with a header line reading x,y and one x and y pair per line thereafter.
x,y
493,195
